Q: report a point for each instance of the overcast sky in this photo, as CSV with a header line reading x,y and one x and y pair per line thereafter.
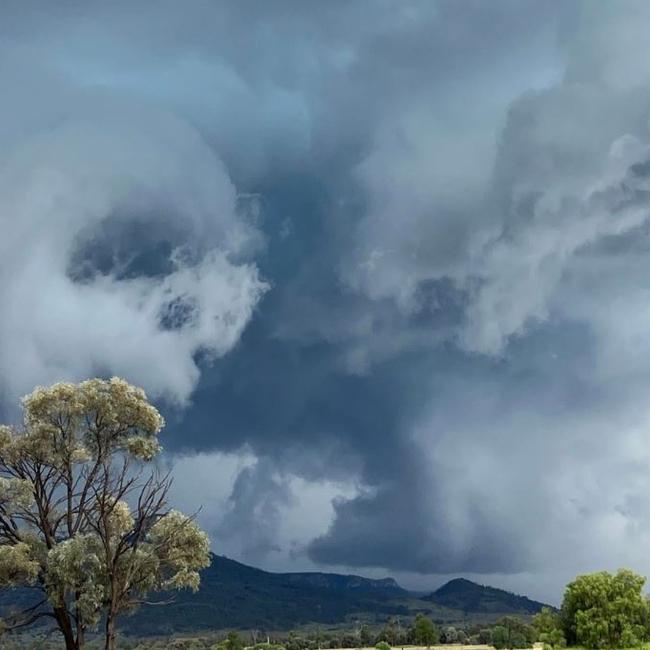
x,y
383,265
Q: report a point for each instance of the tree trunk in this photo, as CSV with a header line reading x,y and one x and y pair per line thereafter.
x,y
110,631
81,628
63,621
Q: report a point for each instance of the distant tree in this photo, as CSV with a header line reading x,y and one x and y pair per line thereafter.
x,y
511,632
295,642
553,639
546,620
401,635
450,634
348,640
365,636
484,636
389,632
605,610
424,632
499,637
549,630
231,642
234,642
317,638
79,521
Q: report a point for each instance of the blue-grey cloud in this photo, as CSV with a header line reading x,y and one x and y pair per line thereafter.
x,y
398,247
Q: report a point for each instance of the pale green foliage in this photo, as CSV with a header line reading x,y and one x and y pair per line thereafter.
x,y
93,418
17,566
15,494
141,447
601,610
182,547
76,565
66,481
6,436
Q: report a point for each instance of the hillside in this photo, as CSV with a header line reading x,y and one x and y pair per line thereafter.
x,y
237,596
233,595
469,597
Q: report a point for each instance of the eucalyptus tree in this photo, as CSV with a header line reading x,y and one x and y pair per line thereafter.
x,y
84,525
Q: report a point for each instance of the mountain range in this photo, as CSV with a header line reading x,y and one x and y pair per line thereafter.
x,y
237,596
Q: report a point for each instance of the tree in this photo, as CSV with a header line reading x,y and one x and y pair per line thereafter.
x,y
499,637
511,632
389,632
81,522
365,636
548,625
605,610
450,634
424,632
233,641
546,620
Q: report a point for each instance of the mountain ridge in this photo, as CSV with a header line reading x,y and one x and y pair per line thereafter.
x,y
234,595
471,597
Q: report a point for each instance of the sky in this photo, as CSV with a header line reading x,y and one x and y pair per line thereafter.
x,y
384,266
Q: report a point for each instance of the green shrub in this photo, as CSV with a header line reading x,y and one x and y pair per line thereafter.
x,y
231,642
382,645
499,637
552,639
512,633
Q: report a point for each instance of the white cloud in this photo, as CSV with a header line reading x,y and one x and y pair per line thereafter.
x,y
60,188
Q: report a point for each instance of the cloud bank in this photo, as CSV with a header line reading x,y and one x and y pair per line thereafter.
x,y
445,208
123,253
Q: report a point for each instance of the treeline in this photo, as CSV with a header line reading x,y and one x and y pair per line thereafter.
x,y
599,610
421,631
508,632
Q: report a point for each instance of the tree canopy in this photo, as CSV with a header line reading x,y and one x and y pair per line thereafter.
x,y
424,631
81,522
549,630
604,610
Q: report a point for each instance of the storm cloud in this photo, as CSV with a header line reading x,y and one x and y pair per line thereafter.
x,y
384,266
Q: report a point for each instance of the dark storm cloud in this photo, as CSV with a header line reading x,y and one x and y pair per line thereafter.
x,y
419,228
